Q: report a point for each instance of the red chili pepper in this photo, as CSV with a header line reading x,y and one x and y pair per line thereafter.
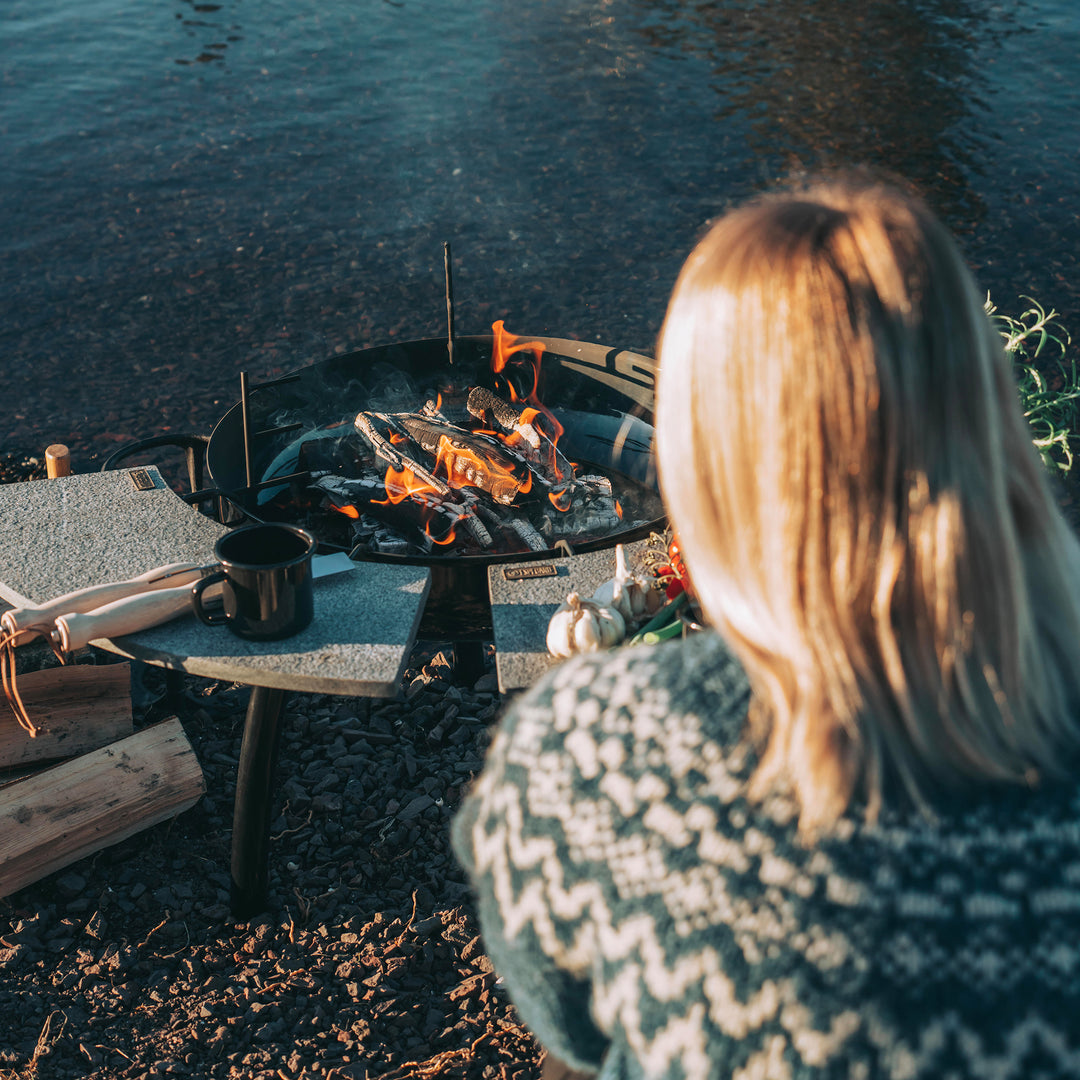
x,y
677,564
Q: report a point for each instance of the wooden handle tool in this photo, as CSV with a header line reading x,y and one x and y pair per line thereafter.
x,y
75,630
23,622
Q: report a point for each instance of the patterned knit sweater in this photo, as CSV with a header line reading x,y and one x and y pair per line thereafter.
x,y
647,918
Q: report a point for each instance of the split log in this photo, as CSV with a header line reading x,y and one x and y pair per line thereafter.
x,y
76,709
57,816
525,434
364,423
469,457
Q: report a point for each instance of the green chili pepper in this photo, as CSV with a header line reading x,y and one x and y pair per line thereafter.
x,y
665,632
661,618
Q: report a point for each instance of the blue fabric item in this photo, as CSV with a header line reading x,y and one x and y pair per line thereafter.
x,y
649,921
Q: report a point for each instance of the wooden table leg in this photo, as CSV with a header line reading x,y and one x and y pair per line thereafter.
x,y
251,810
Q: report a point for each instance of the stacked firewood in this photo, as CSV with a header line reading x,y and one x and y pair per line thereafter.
x,y
86,779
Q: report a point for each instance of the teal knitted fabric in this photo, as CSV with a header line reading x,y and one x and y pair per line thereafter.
x,y
649,920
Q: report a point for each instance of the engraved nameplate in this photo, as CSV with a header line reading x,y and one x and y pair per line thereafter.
x,y
524,573
142,480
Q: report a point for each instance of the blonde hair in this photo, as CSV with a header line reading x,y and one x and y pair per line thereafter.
x,y
862,512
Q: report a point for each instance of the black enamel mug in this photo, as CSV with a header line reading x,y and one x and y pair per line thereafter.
x,y
268,590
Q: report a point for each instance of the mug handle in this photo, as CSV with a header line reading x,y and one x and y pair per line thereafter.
x,y
217,618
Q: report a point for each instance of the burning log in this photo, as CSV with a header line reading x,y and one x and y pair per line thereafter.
x,y
471,459
492,410
385,450
527,533
418,509
524,435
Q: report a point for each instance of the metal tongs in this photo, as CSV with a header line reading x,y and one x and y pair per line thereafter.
x,y
72,621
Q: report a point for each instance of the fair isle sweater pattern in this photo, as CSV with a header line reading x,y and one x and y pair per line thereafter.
x,y
648,921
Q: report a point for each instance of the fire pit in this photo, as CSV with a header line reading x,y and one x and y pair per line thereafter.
x,y
518,449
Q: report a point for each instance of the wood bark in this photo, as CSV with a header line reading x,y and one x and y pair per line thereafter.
x,y
78,708
62,814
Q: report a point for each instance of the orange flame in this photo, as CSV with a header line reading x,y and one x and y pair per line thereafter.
x,y
561,500
504,346
401,484
348,511
450,537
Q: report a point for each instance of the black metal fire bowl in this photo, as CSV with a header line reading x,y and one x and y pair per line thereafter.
x,y
603,397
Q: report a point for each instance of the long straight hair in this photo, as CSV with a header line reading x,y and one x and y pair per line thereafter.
x,y
865,520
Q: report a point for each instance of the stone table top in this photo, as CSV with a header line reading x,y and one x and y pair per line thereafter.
x,y
60,535
524,596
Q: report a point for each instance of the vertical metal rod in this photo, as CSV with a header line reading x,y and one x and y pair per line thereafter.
x,y
245,415
447,260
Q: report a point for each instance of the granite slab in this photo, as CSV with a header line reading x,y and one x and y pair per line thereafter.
x,y
524,596
63,534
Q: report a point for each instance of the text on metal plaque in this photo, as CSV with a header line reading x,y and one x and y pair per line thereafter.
x,y
142,480
521,573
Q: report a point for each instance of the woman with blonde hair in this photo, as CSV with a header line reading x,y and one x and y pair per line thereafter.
x,y
840,834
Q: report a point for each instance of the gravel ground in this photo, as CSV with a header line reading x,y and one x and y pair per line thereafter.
x,y
367,960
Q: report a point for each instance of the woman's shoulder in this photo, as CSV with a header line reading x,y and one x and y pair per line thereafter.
x,y
698,675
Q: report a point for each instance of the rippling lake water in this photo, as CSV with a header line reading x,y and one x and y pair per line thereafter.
x,y
190,190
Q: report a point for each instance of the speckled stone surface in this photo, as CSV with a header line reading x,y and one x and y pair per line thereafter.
x,y
522,609
60,535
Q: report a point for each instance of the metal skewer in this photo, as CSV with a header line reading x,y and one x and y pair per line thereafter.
x,y
245,415
447,259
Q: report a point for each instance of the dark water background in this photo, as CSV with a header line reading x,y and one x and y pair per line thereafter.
x,y
190,189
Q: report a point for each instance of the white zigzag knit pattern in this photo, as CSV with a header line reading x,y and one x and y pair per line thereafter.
x,y
650,922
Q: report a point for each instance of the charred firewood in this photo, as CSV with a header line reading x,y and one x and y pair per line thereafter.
x,y
382,538
507,418
435,519
528,437
387,451
471,459
355,491
527,533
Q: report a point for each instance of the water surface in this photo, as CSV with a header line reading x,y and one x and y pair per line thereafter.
x,y
195,189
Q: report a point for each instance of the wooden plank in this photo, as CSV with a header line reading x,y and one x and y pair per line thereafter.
x,y
77,708
59,815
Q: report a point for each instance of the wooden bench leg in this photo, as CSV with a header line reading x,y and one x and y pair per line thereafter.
x,y
251,809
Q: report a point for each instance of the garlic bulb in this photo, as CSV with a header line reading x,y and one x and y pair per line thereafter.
x,y
583,626
630,594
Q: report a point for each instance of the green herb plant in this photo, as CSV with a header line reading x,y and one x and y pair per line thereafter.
x,y
1046,377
